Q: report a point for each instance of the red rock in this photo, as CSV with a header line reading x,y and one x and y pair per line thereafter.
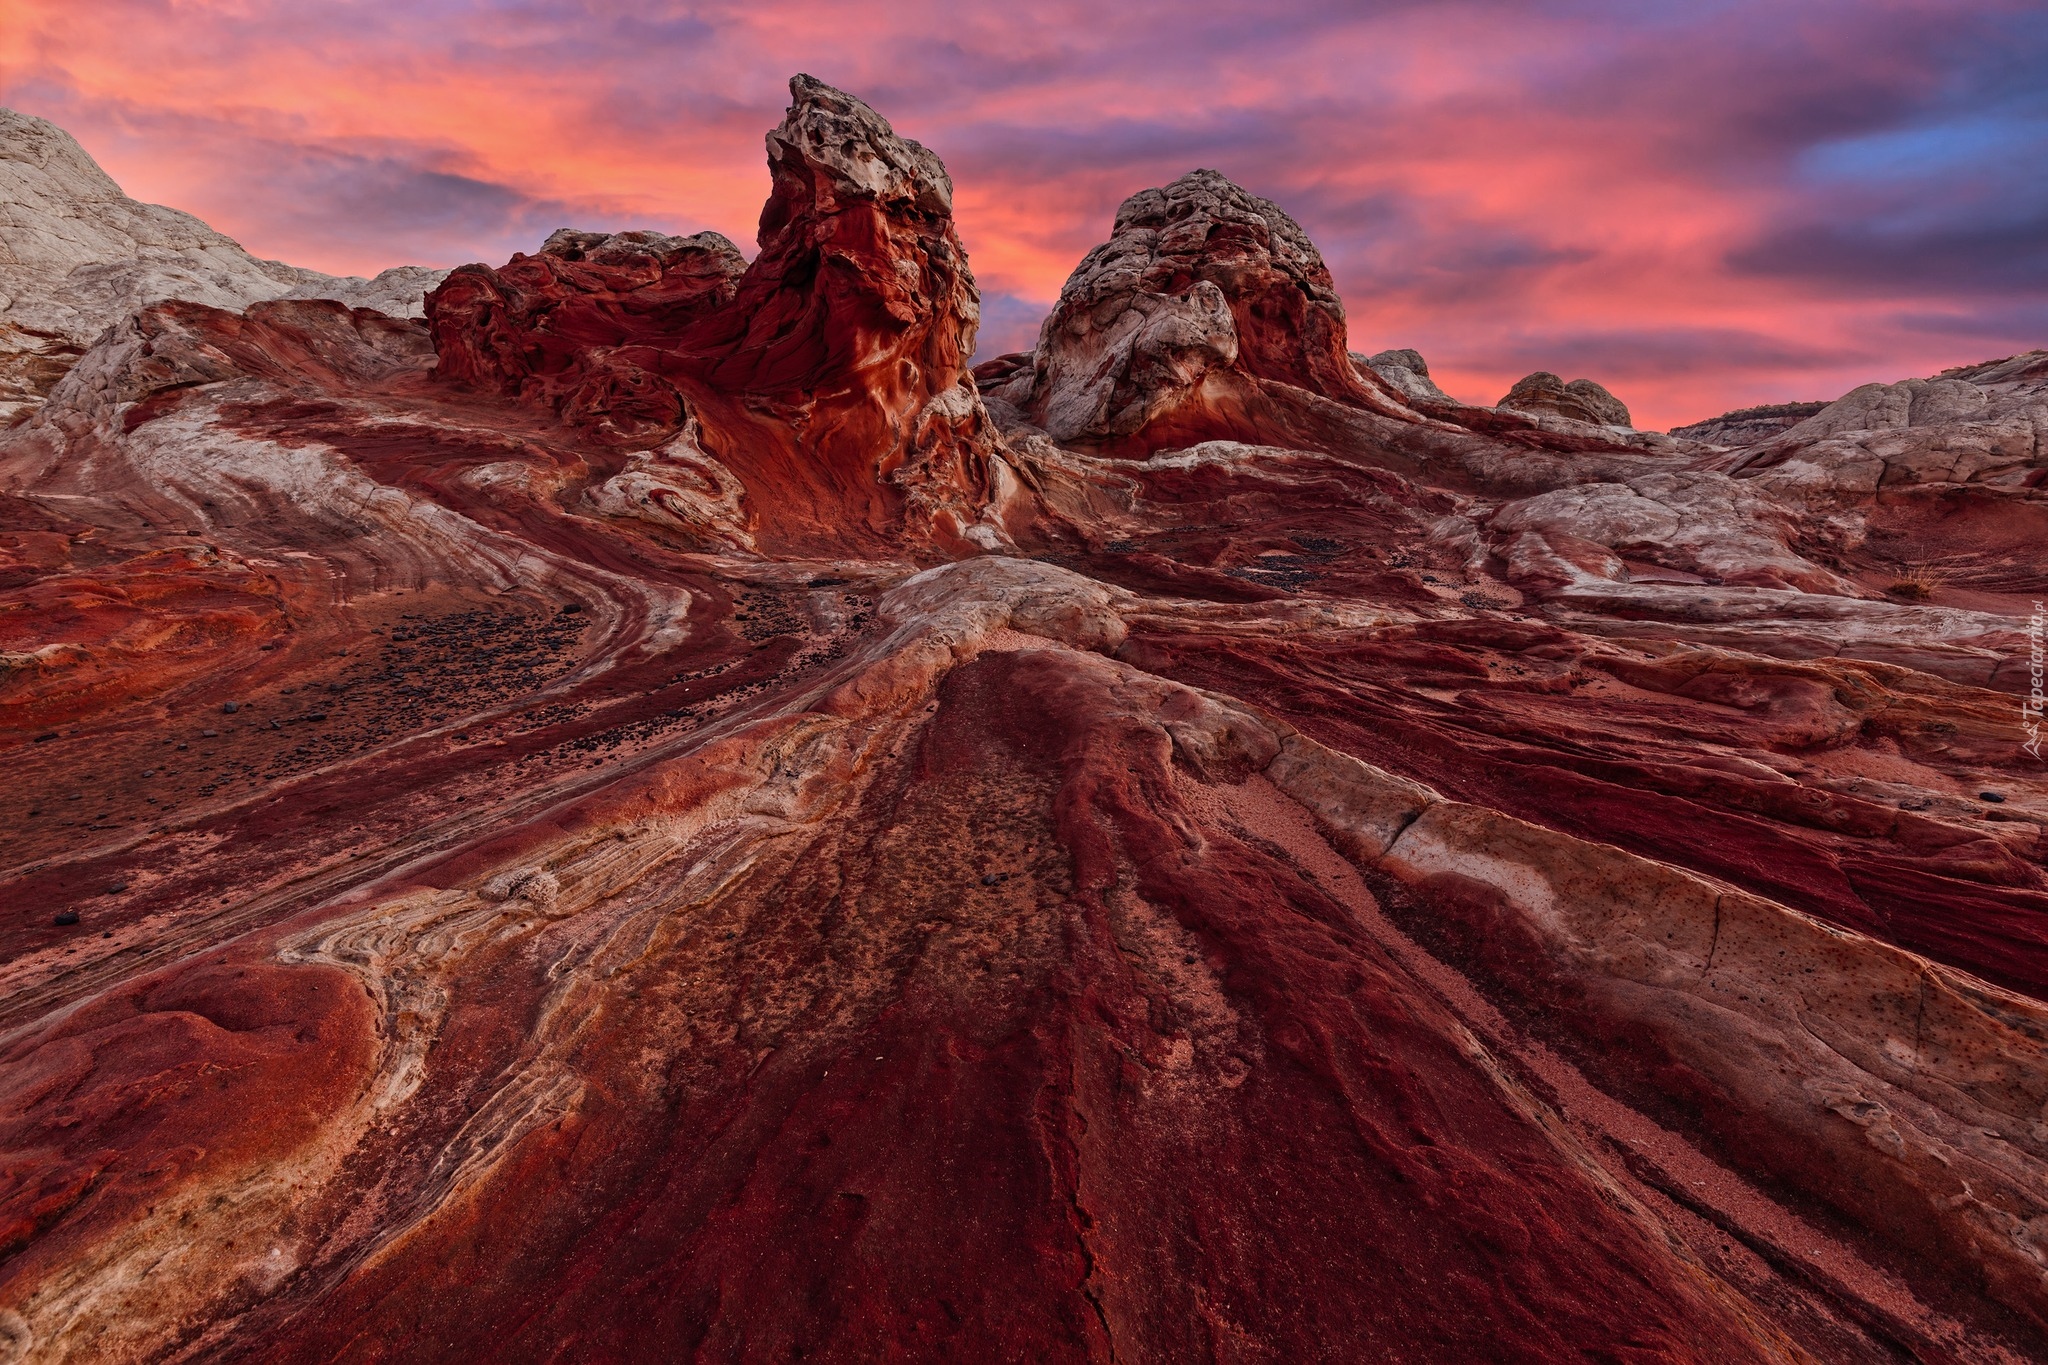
x,y
1350,876
549,328
1203,297
829,375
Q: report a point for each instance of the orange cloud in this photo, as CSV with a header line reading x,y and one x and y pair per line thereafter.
x,y
1700,206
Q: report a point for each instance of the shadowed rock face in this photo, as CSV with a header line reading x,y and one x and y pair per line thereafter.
x,y
640,817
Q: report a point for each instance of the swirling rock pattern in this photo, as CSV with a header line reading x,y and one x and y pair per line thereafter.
x,y
643,816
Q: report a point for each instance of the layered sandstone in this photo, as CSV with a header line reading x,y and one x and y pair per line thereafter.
x,y
1747,426
1205,301
641,816
1581,400
833,368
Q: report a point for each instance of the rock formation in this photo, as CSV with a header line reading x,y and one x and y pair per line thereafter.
x,y
1747,426
1978,426
562,328
833,367
1206,305
1408,372
649,814
1581,400
76,254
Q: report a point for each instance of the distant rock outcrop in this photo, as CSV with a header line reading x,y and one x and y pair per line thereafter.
x,y
1747,426
76,254
1408,372
1977,426
1581,400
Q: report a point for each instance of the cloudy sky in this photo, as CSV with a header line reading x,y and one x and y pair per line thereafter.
x,y
1702,204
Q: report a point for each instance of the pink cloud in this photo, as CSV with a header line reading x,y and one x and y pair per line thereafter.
x,y
1703,206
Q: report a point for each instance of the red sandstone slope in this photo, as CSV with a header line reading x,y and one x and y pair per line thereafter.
x,y
643,819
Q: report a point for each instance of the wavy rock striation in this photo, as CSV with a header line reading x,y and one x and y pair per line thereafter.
x,y
833,367
650,814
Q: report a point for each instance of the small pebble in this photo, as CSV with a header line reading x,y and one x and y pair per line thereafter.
x,y
229,708
67,917
117,888
209,734
1989,796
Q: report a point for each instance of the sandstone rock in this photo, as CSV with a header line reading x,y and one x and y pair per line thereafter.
x,y
76,255
1700,524
678,485
558,328
1202,290
1582,400
1975,426
1407,371
770,807
1748,426
829,375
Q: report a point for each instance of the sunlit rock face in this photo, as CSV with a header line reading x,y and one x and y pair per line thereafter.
x,y
649,815
832,369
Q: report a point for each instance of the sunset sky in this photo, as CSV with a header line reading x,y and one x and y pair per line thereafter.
x,y
1702,205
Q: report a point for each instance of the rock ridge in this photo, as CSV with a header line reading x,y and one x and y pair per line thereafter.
x,y
76,255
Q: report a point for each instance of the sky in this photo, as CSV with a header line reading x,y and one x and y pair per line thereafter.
x,y
1702,205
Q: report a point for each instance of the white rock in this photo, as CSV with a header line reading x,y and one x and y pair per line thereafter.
x,y
77,255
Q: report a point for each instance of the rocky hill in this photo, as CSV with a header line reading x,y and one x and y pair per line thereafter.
x,y
650,813
77,255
